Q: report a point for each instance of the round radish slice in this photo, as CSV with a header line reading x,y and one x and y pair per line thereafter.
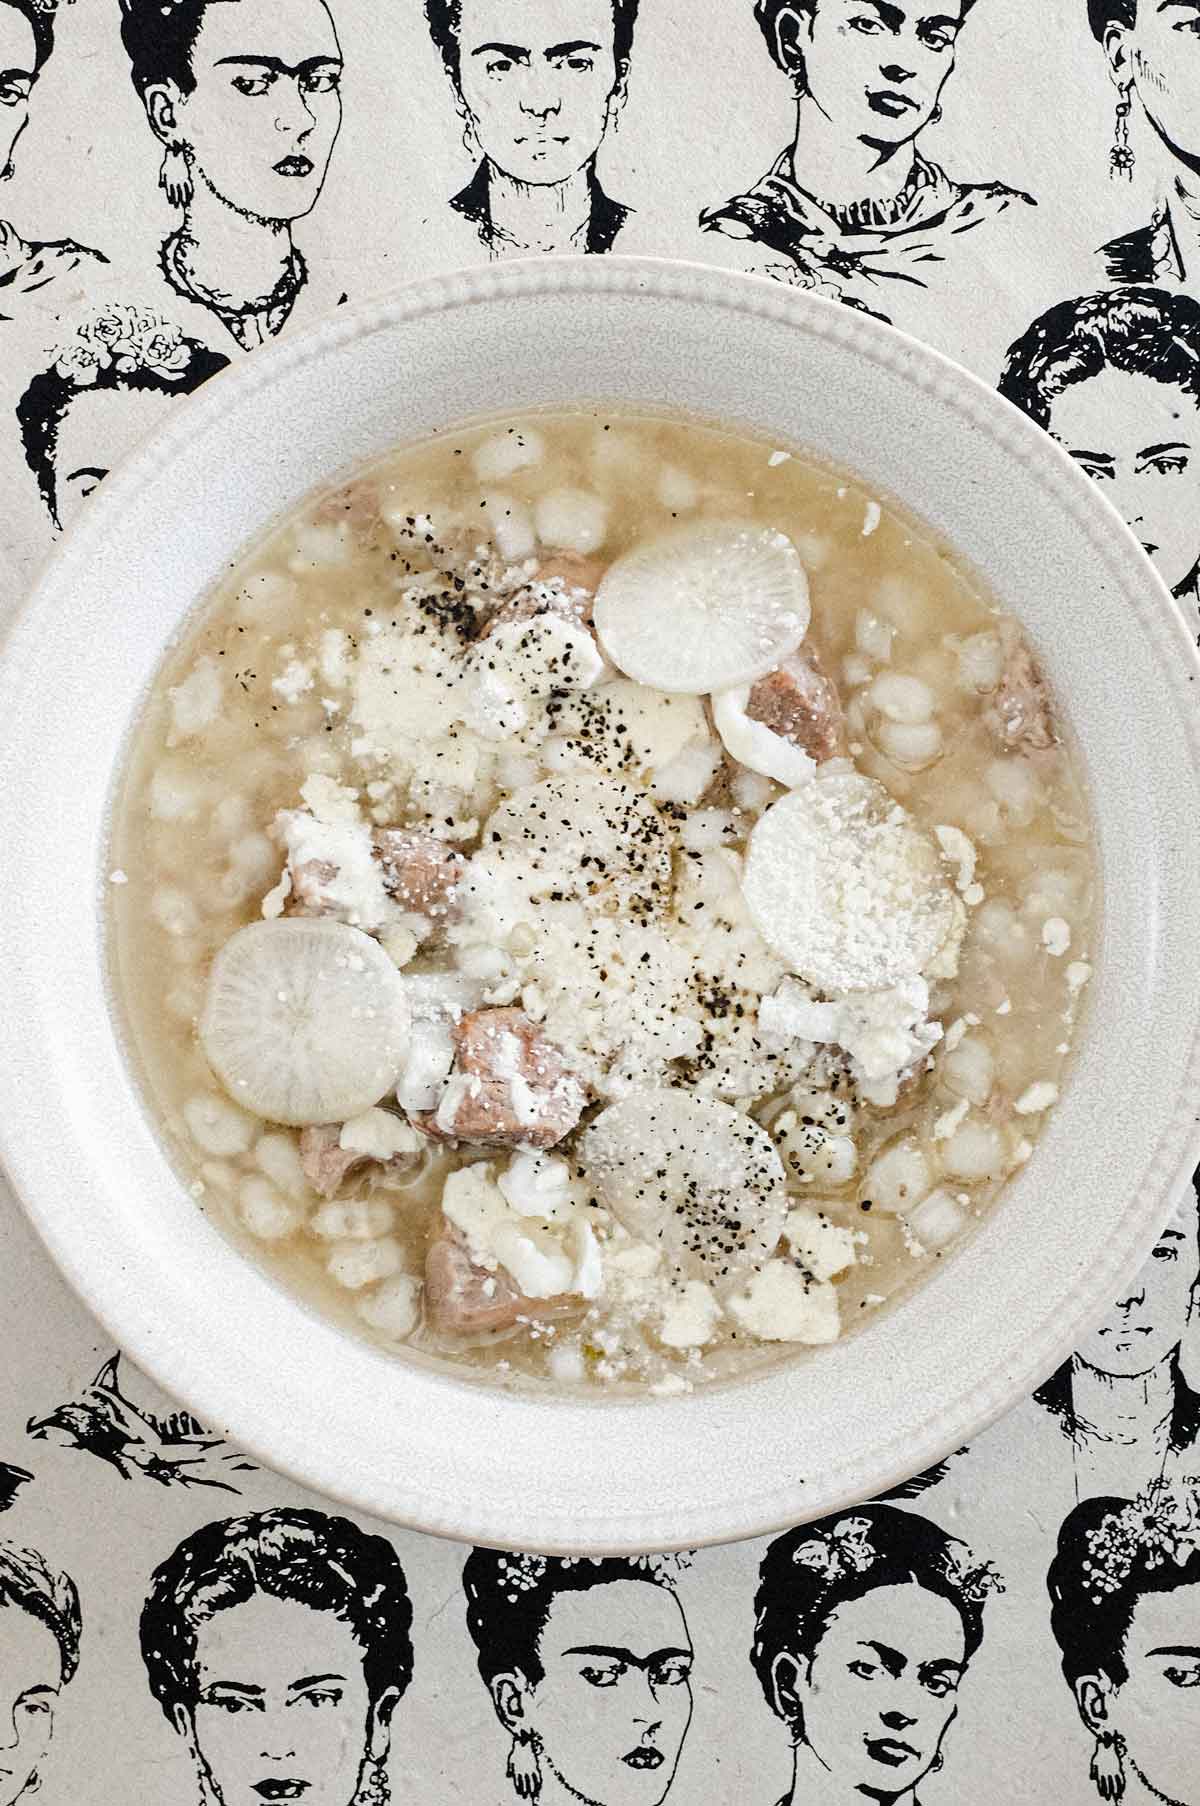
x,y
844,886
691,1176
704,607
306,1021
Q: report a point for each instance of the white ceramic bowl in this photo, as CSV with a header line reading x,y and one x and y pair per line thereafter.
x,y
434,1451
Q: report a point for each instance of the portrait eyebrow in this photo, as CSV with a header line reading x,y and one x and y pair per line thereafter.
x,y
1177,1649
1155,451
43,1690
1097,457
249,1688
16,75
571,48
892,1659
890,15
277,67
518,52
314,1680
1190,6
626,1655
86,470
946,1665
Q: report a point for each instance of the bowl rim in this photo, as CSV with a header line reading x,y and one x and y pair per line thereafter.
x,y
213,1397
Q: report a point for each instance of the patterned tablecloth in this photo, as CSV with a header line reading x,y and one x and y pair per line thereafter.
x,y
1017,182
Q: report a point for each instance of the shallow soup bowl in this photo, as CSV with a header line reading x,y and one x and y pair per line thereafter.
x,y
421,1445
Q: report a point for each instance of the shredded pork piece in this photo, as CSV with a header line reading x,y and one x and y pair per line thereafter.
x,y
800,702
510,1087
420,871
1019,716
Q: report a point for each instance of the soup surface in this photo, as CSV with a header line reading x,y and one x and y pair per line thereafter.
x,y
600,899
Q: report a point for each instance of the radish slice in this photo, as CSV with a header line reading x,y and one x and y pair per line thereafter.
x,y
692,1176
844,886
306,1021
704,607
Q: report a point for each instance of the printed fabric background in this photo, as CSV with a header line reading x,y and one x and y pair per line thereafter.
x,y
1016,181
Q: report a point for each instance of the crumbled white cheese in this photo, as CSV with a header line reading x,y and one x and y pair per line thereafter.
x,y
545,1256
520,662
961,852
871,519
823,1249
779,1305
118,877
884,1032
539,1185
379,1134
690,1319
333,833
1078,973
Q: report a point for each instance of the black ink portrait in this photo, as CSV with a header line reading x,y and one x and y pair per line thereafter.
x,y
589,1664
1115,378
39,1653
539,84
1125,1611
1153,51
27,268
865,1624
1123,1400
103,390
12,1479
244,96
852,207
279,1645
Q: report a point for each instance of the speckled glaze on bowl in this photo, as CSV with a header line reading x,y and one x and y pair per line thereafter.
x,y
437,1452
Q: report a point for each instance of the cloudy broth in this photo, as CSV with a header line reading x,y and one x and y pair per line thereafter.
x,y
420,713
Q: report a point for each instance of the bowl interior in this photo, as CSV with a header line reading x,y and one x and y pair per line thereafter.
x,y
420,1446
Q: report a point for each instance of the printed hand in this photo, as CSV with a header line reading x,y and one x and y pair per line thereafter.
x,y
174,1450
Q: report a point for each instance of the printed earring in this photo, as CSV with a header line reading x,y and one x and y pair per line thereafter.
x,y
524,1770
1108,1766
936,114
374,1790
1120,158
175,176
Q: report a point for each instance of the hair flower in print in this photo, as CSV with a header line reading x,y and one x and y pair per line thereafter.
x,y
1161,1525
846,1549
127,338
976,1581
82,362
524,1572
